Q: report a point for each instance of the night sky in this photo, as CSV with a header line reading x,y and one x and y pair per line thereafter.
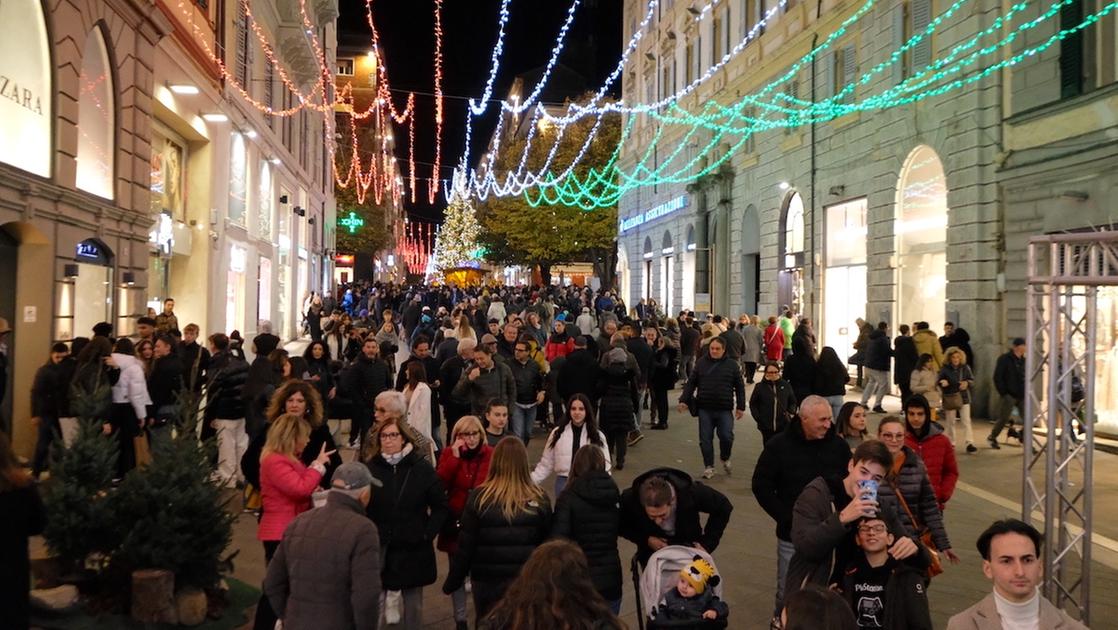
x,y
406,29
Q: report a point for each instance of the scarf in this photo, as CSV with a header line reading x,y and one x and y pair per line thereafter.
x,y
393,460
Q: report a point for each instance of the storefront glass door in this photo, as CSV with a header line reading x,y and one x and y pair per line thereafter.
x,y
844,279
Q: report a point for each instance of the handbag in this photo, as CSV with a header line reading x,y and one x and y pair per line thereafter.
x,y
142,449
935,566
953,402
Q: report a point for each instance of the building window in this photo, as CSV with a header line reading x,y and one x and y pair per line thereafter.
x,y
304,145
911,18
716,36
168,158
792,90
270,92
26,118
287,123
1088,57
264,202
689,63
96,119
238,179
345,67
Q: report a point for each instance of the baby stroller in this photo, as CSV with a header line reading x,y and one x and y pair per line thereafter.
x,y
659,576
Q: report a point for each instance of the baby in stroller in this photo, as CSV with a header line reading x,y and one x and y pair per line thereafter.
x,y
693,597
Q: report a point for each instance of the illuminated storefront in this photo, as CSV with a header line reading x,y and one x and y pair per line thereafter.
x,y
921,236
844,275
84,296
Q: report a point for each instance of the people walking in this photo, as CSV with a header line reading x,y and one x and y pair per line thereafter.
x,y
48,404
878,355
587,513
225,409
955,381
905,359
754,351
504,520
923,381
800,368
576,430
409,513
663,507
926,438
772,403
716,389
831,377
1009,380
774,341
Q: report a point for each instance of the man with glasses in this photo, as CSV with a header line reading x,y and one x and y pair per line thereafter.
x,y
882,591
530,391
807,449
827,514
484,380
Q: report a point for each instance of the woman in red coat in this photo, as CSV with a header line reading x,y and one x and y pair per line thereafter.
x,y
463,466
559,344
774,341
928,440
286,486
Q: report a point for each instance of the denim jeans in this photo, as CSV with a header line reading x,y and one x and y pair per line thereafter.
x,y
521,420
784,551
711,420
877,385
836,405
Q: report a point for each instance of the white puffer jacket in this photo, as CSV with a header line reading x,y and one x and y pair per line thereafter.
x,y
557,458
132,387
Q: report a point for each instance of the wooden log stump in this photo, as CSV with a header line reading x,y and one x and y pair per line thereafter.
x,y
153,596
191,605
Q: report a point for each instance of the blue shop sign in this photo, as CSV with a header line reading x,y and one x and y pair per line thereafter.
x,y
656,212
93,251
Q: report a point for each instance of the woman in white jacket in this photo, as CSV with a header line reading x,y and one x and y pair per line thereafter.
x,y
576,430
418,395
130,403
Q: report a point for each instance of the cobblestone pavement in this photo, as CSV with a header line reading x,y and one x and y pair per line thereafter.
x,y
990,488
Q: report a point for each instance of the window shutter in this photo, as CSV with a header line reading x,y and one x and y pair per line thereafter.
x,y
899,39
269,91
831,62
849,70
1071,51
241,54
921,18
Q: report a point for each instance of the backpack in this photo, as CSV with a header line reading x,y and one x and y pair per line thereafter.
x,y
91,394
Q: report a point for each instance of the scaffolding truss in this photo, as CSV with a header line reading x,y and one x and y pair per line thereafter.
x,y
1066,272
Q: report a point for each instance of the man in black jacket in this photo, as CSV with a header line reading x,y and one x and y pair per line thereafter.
x,y
877,362
735,343
530,392
362,381
689,336
662,508
807,449
263,378
905,358
165,385
225,409
449,373
579,373
48,397
194,358
1009,380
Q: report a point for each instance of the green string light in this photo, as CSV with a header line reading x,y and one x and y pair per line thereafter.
x,y
603,187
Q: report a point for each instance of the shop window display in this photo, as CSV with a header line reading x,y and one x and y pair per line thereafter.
x,y
921,233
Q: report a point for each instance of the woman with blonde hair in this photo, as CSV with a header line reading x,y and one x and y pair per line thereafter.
x,y
23,517
504,520
145,352
300,399
286,486
955,380
463,466
462,329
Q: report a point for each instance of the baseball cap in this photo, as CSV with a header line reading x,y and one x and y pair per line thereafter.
x,y
353,476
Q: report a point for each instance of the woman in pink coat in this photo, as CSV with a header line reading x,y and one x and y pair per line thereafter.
x,y
286,486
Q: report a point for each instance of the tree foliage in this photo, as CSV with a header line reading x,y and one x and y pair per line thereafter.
x,y
516,233
458,236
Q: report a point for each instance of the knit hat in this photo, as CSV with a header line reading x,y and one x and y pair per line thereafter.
x,y
700,573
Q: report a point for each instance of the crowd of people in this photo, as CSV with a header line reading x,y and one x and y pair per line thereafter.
x,y
439,459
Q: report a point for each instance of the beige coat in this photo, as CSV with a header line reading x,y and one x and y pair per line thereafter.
x,y
984,616
924,382
927,342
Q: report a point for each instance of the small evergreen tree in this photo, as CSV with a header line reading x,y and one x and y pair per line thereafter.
x,y
457,243
172,514
80,519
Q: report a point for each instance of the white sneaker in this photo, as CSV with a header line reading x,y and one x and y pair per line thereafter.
x,y
727,467
708,473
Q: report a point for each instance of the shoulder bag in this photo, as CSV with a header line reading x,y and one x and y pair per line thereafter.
x,y
935,566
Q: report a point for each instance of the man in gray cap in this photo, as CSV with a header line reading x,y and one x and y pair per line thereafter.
x,y
326,572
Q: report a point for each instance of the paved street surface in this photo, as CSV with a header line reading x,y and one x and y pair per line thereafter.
x,y
990,488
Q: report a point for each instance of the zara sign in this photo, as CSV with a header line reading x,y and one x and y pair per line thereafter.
x,y
25,88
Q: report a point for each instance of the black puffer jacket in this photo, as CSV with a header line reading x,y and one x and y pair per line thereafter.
x,y
787,464
665,368
587,513
719,385
920,497
617,387
492,548
528,380
227,381
878,352
579,375
771,405
364,380
409,512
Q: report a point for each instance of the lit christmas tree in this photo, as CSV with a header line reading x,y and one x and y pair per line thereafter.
x,y
457,242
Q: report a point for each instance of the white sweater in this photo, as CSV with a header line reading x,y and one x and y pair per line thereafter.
x,y
132,387
419,410
557,458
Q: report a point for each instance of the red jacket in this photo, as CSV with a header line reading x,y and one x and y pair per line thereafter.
x,y
774,342
286,486
939,457
459,476
553,350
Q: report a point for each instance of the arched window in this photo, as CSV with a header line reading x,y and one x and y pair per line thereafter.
x,y
96,118
921,233
667,274
646,281
794,230
26,91
790,281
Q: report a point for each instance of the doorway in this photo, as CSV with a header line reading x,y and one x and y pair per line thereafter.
x,y
751,261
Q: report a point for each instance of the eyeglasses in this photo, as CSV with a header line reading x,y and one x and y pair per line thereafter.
x,y
384,436
871,529
469,433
